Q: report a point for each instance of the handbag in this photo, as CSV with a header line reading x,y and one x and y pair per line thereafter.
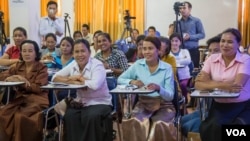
x,y
61,107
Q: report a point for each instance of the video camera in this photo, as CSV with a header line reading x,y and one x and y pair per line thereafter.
x,y
177,6
127,15
127,19
66,15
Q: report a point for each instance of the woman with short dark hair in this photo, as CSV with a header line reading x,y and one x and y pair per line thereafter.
x,y
21,119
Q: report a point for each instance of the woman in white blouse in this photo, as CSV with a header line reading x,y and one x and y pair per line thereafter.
x,y
87,116
183,59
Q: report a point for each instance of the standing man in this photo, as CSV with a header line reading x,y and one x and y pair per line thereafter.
x,y
51,23
86,35
192,31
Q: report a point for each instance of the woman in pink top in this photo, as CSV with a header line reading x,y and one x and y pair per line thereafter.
x,y
227,71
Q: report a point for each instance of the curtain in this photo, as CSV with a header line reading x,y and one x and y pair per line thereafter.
x,y
4,7
108,15
243,21
44,7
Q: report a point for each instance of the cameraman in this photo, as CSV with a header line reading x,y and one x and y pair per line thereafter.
x,y
192,31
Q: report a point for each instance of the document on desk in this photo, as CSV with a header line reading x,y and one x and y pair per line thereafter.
x,y
130,89
213,94
5,83
58,83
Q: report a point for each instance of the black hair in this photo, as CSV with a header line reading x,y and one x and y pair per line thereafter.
x,y
235,32
97,32
23,30
106,35
167,42
188,3
82,41
154,40
136,30
51,2
36,47
85,25
175,35
215,39
51,35
139,38
70,40
77,32
151,27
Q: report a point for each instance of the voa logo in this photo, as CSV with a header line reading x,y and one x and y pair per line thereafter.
x,y
236,132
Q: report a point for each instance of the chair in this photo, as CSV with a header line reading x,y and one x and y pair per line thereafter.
x,y
190,86
178,101
50,114
115,114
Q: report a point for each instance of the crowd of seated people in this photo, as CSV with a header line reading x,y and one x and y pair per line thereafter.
x,y
150,57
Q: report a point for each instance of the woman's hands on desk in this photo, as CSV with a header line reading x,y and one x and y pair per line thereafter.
x,y
18,78
151,86
138,83
231,87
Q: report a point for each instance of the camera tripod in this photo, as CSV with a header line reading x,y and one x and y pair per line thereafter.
x,y
3,38
66,25
128,30
177,24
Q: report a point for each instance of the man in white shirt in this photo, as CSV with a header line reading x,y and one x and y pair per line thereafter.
x,y
51,23
86,35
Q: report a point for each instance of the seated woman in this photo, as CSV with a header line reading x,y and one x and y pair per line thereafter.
x,y
21,119
111,58
228,71
77,35
135,53
89,121
191,122
11,55
94,46
183,58
66,49
50,51
153,114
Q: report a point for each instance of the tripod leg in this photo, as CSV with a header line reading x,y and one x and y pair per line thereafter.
x,y
123,33
68,28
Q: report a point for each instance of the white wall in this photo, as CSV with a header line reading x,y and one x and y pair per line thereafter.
x,y
25,13
68,7
216,15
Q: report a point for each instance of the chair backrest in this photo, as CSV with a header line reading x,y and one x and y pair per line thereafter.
x,y
112,83
191,67
175,100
